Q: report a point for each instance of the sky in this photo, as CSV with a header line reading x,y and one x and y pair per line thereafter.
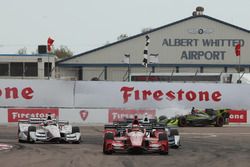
x,y
83,25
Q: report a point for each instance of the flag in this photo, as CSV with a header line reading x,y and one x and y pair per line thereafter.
x,y
50,42
153,58
126,59
145,52
237,50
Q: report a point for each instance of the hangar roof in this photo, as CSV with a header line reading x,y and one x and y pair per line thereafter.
x,y
153,30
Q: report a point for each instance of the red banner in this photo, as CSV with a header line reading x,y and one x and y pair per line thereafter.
x,y
15,114
238,116
120,114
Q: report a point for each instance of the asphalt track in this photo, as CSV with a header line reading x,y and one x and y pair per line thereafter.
x,y
201,147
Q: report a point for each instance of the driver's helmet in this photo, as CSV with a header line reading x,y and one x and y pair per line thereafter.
x,y
135,127
49,116
48,122
146,117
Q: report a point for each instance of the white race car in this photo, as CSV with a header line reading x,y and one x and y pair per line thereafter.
x,y
43,130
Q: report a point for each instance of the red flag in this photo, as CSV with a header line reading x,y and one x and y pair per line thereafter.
x,y
50,42
237,49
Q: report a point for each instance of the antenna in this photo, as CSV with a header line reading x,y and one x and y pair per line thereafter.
x,y
199,10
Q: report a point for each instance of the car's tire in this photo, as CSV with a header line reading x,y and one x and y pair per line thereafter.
x,y
174,132
175,147
182,122
163,136
225,115
107,136
75,129
21,141
30,129
164,151
219,121
105,151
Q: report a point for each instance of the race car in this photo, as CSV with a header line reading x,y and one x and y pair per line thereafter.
x,y
135,138
172,132
206,117
42,130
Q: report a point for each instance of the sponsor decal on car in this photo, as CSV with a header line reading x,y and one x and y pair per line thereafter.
x,y
237,116
84,114
121,114
16,114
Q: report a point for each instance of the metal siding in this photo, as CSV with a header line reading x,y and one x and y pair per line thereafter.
x,y
213,70
117,74
165,70
189,70
89,73
232,70
67,73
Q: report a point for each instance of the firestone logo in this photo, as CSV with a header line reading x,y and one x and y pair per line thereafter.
x,y
121,114
15,93
14,115
238,116
130,93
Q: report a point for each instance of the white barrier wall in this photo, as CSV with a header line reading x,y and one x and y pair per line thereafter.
x,y
36,93
102,102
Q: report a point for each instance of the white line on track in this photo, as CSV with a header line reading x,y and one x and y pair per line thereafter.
x,y
5,147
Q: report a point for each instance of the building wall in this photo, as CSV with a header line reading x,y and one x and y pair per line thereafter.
x,y
41,60
179,44
66,73
197,44
93,72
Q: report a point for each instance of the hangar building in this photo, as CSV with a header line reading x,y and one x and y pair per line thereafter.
x,y
27,66
198,44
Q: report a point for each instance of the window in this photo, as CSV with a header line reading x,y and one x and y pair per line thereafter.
x,y
47,69
201,69
177,69
4,69
225,69
31,69
16,69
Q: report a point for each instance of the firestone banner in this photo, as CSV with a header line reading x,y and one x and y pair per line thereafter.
x,y
129,95
138,95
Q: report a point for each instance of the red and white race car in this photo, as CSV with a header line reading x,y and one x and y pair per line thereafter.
x,y
135,138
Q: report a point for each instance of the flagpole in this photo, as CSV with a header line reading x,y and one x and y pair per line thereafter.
x,y
48,66
239,69
129,69
237,53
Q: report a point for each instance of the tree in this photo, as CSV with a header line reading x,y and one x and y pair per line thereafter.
x,y
22,51
122,36
62,52
146,29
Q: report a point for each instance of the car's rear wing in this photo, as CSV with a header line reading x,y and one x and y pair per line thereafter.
x,y
110,126
63,122
36,120
123,127
159,127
